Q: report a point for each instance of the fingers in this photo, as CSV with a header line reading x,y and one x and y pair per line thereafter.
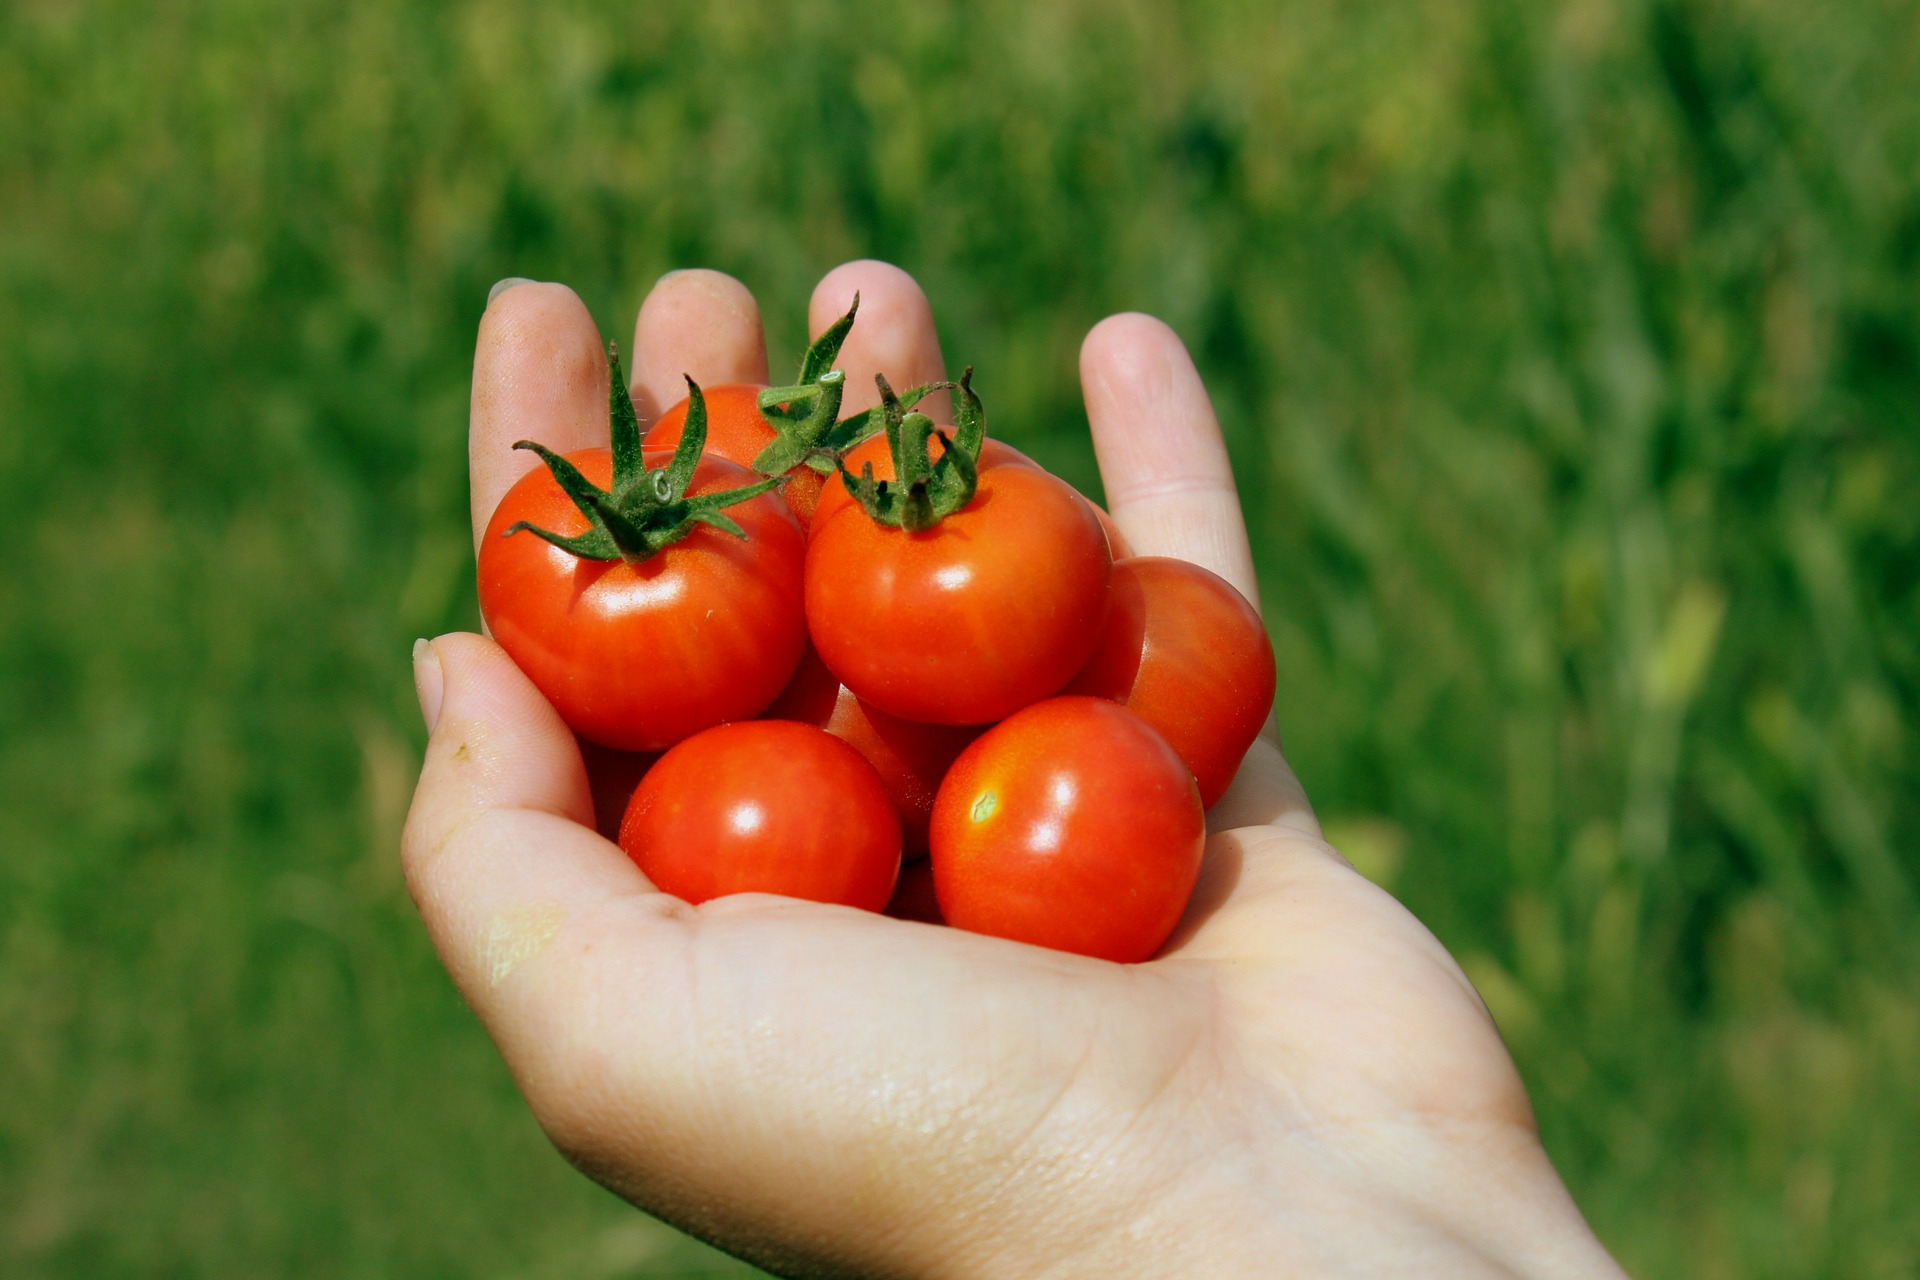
x,y
499,848
538,374
893,335
695,324
1170,488
1169,483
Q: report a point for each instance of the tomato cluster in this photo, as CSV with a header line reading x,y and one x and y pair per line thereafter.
x,y
867,638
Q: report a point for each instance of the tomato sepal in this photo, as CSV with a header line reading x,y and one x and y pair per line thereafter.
x,y
646,509
924,490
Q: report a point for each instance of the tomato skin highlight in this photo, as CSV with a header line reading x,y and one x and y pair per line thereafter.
x,y
1070,825
737,431
765,806
1188,654
910,757
997,606
638,656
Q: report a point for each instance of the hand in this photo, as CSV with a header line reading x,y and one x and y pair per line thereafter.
x,y
1303,1084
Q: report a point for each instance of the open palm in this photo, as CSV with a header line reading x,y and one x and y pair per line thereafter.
x,y
1303,1083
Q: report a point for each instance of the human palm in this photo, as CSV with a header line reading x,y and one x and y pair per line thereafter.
x,y
1302,1083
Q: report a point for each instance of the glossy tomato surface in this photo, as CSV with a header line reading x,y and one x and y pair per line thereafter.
x,y
737,431
765,806
910,757
1071,825
638,656
995,607
1188,654
1117,543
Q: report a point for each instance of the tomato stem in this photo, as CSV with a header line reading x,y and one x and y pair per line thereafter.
x,y
647,509
805,417
925,490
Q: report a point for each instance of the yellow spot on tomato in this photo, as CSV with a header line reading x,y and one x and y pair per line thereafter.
x,y
984,804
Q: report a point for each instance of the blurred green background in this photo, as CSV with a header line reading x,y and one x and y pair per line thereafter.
x,y
1570,356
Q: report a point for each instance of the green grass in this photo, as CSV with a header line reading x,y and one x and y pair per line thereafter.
x,y
1570,356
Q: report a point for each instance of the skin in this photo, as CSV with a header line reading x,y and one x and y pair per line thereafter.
x,y
1071,825
1303,1085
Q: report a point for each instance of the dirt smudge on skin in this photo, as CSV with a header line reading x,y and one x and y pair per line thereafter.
x,y
515,936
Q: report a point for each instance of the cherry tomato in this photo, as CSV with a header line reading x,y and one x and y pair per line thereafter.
x,y
873,450
1071,825
1117,543
765,806
637,656
993,608
737,431
1186,653
909,756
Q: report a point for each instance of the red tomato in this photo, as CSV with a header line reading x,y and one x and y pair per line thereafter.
x,y
638,656
995,607
765,806
737,431
1186,653
993,453
1071,825
1117,542
910,757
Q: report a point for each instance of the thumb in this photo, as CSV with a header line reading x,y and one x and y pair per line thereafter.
x,y
499,848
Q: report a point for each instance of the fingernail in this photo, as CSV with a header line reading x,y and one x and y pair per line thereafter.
x,y
502,286
428,681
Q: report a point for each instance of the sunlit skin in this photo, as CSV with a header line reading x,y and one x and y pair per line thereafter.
x,y
1302,1084
638,656
765,806
1186,652
1073,825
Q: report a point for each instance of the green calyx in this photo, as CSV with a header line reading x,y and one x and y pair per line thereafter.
x,y
805,417
925,490
647,509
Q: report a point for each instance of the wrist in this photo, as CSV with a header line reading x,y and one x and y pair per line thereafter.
x,y
1502,1214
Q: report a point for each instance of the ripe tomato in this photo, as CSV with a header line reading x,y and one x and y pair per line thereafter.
x,y
909,756
637,656
1071,825
737,431
994,607
1117,543
1186,653
765,806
